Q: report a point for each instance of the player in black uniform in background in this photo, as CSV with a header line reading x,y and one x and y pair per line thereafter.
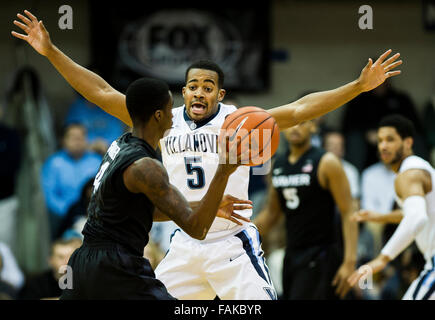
x,y
131,190
306,185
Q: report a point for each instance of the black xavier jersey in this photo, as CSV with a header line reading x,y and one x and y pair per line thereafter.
x,y
309,209
114,213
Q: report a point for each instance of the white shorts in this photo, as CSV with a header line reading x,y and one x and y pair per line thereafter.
x,y
423,288
232,268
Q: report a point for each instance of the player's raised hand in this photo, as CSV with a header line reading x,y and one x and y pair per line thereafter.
x,y
229,204
374,74
35,33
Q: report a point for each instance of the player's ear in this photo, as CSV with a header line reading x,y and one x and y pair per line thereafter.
x,y
158,115
221,94
409,141
183,91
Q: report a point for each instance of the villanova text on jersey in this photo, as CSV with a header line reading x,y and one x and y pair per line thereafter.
x,y
201,142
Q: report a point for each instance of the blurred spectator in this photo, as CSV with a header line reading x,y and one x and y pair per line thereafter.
x,y
10,271
102,127
429,127
65,172
75,219
334,141
10,159
362,115
46,284
377,194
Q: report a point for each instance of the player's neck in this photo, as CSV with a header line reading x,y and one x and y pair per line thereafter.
x,y
151,136
297,151
396,166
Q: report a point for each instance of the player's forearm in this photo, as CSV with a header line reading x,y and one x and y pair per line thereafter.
x,y
392,217
159,216
87,83
315,105
350,237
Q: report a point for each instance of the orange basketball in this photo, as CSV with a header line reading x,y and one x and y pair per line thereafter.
x,y
255,134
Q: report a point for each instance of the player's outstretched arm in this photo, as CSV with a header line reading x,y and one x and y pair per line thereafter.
x,y
333,177
149,177
364,215
316,104
87,83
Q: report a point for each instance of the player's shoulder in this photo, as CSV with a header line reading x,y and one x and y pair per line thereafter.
x,y
144,167
227,108
415,162
329,162
177,110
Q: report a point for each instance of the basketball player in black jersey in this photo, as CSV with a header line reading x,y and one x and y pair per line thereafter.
x,y
131,190
306,185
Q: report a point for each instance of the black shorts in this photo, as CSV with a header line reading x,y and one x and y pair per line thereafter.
x,y
308,273
108,271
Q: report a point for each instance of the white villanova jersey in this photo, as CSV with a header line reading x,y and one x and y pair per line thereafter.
x,y
425,239
190,156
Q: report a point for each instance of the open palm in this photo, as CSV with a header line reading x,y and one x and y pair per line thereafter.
x,y
36,34
229,204
374,74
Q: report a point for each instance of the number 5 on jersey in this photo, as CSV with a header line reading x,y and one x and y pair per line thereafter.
x,y
291,195
198,181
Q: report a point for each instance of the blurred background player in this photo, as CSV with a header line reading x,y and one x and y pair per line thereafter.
x,y
414,187
306,185
204,112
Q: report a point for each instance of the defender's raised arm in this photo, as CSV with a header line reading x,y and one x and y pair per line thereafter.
x,y
89,84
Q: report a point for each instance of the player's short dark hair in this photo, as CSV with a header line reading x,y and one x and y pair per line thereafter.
x,y
207,65
404,127
144,97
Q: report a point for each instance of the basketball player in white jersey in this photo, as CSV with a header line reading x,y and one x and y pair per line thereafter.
x,y
228,263
415,191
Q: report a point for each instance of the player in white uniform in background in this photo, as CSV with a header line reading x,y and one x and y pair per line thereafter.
x,y
415,191
229,262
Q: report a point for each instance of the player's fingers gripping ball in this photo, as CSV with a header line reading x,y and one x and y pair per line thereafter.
x,y
250,136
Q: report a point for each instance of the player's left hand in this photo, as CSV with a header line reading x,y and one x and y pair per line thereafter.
x,y
340,279
374,266
374,74
229,204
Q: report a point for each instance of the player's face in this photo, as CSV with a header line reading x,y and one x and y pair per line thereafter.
x,y
300,134
390,145
202,93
